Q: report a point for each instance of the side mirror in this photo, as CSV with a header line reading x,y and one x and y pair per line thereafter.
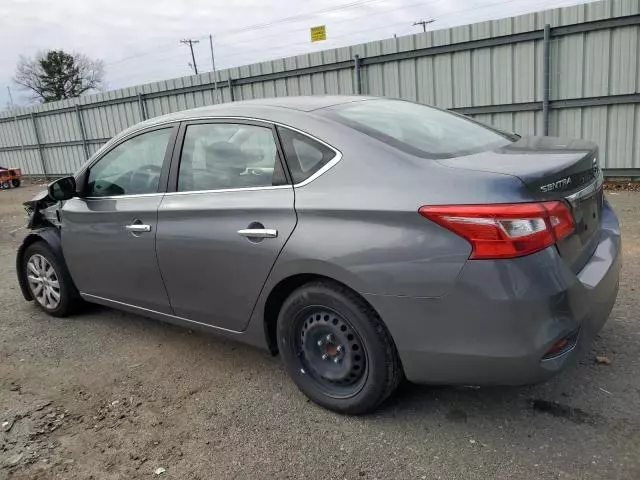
x,y
62,189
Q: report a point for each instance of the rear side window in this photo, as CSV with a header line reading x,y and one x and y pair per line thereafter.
x,y
417,129
218,156
305,156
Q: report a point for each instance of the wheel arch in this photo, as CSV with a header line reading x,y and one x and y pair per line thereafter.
x,y
279,294
50,236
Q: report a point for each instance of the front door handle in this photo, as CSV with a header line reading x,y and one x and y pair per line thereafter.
x,y
258,233
138,228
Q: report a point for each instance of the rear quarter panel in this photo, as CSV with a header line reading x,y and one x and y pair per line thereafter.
x,y
359,223
375,251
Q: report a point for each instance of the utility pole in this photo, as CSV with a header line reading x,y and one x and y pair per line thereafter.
x,y
10,97
424,24
190,42
215,75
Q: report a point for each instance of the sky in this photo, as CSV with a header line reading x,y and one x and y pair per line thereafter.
x,y
139,40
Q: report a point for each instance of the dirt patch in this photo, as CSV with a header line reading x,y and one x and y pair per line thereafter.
x,y
561,410
622,185
26,435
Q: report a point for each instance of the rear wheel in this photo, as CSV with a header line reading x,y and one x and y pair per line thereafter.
x,y
48,281
15,182
336,348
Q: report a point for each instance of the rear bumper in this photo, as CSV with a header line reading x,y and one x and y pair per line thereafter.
x,y
501,317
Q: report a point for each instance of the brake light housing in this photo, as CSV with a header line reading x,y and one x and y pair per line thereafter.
x,y
505,230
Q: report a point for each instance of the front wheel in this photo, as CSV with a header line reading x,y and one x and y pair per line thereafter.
x,y
48,281
336,348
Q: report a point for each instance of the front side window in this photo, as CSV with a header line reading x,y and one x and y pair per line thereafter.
x,y
417,129
131,168
218,156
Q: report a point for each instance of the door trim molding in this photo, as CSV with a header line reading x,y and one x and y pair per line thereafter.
x,y
227,190
154,313
126,195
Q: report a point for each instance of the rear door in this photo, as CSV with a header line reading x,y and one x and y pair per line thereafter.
x,y
227,216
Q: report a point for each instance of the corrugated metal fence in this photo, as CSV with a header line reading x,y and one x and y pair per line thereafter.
x,y
570,72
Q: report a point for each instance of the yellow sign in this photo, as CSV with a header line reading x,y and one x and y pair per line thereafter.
x,y
318,33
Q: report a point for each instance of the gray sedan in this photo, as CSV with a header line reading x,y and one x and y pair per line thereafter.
x,y
366,240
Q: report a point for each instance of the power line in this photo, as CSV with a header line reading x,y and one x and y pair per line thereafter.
x,y
190,42
305,29
288,45
348,20
349,34
256,26
304,16
245,29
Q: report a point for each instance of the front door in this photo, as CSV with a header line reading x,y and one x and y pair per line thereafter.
x,y
222,229
108,234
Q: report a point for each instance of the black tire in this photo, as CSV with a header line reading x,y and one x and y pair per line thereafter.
x,y
15,182
369,369
69,298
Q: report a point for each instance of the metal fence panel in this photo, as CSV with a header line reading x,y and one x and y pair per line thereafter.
x,y
502,78
62,160
94,147
26,159
568,60
624,61
442,69
408,80
492,70
525,72
481,72
9,135
620,141
525,123
596,64
425,81
462,80
503,121
26,131
566,122
594,128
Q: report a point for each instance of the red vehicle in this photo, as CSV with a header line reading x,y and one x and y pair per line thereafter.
x,y
10,177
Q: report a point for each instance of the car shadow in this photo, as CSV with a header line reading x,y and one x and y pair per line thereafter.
x,y
453,404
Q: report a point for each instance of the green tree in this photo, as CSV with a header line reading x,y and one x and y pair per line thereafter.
x,y
56,75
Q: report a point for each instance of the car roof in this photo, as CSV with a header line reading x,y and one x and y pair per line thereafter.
x,y
264,108
304,104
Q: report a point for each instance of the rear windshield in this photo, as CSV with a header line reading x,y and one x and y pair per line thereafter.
x,y
417,129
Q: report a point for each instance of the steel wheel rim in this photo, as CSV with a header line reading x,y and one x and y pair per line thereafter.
x,y
43,282
344,371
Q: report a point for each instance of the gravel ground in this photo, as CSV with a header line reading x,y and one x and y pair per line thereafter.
x,y
109,395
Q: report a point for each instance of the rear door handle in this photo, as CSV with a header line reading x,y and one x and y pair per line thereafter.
x,y
258,233
138,228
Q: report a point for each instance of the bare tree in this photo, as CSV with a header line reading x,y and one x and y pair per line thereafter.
x,y
56,75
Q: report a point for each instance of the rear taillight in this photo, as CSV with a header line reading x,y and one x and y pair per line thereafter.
x,y
505,230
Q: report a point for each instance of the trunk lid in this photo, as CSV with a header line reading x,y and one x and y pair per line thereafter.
x,y
553,169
